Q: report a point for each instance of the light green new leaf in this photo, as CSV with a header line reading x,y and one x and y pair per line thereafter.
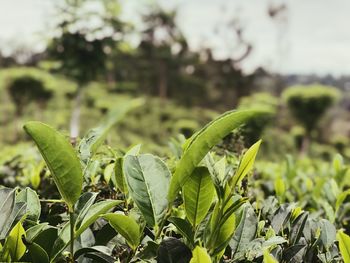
x,y
200,255
341,198
94,212
268,258
119,178
60,158
108,172
14,246
33,208
198,193
200,144
127,227
344,245
95,137
148,177
246,164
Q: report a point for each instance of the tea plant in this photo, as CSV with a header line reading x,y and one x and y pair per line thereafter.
x,y
127,206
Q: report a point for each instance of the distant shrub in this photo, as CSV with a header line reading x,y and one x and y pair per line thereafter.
x,y
254,128
25,89
25,85
309,103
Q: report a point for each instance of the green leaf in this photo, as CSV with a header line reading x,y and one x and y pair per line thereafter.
x,y
184,227
328,233
119,178
246,229
297,228
60,158
94,213
148,177
33,207
200,255
127,227
61,242
95,137
37,253
268,258
34,231
341,198
83,205
344,245
108,171
200,144
246,164
10,211
14,244
222,229
102,250
198,193
172,250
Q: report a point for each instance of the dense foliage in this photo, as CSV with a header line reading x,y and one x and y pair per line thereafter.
x,y
201,204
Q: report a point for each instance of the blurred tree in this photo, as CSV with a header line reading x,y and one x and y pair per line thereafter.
x,y
308,104
162,52
86,35
252,131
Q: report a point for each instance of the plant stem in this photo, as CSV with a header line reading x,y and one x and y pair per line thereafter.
x,y
71,222
51,201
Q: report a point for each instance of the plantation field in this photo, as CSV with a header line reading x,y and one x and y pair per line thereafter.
x,y
174,132
203,199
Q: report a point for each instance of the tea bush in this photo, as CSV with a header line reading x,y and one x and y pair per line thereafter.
x,y
197,205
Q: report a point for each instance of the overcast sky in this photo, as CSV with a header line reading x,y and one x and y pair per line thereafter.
x,y
314,37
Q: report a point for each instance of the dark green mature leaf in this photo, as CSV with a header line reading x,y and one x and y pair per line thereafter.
x,y
198,193
172,250
95,249
200,144
37,253
100,257
10,211
149,251
344,245
184,227
83,205
246,229
33,207
328,233
148,177
298,226
94,212
46,238
7,203
95,137
61,242
127,227
60,158
293,254
34,231
281,217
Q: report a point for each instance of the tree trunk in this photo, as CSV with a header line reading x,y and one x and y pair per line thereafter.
x,y
75,117
163,83
305,145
